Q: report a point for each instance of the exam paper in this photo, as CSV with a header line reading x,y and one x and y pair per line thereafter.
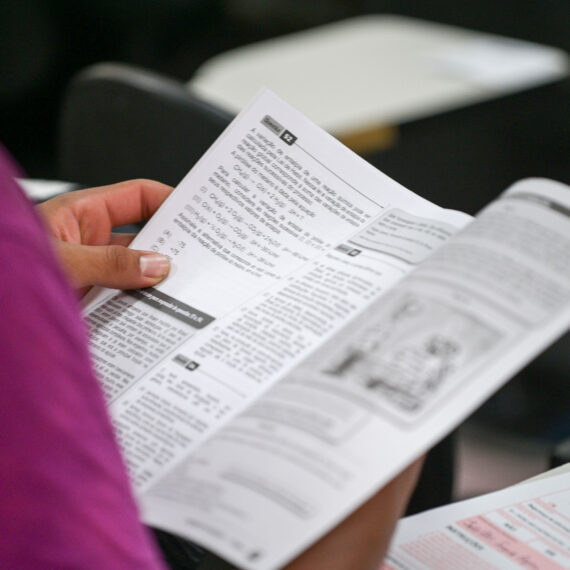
x,y
321,328
522,527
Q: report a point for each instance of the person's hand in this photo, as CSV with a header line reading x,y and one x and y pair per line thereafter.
x,y
81,224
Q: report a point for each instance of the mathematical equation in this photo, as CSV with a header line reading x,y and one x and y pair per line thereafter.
x,y
168,245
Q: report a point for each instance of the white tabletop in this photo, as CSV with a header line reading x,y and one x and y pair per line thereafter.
x,y
377,70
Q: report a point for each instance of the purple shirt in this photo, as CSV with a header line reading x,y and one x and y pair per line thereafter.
x,y
65,500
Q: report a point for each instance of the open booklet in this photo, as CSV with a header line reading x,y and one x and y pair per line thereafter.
x,y
526,526
321,327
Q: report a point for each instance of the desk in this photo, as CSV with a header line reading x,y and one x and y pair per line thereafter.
x,y
356,77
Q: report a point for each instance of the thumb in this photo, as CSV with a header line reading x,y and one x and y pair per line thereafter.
x,y
113,266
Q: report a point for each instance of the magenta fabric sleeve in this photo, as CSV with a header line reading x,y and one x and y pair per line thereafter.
x,y
65,500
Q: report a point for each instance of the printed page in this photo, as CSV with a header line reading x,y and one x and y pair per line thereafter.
x,y
403,373
277,238
522,527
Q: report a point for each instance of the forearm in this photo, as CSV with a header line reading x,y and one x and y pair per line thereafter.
x,y
361,540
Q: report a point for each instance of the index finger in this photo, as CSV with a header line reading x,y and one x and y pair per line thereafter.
x,y
123,203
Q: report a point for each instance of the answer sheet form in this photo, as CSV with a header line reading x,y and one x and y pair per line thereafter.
x,y
525,527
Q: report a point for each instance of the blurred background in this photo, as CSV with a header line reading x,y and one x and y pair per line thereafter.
x,y
460,156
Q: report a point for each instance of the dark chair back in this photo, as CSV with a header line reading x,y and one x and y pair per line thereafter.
x,y
118,122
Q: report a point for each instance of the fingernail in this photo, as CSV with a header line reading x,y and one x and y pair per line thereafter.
x,y
154,265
